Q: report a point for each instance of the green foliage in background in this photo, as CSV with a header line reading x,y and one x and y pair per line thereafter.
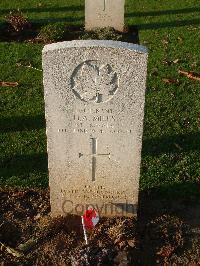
x,y
53,32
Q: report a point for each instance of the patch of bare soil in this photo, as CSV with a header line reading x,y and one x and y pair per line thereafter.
x,y
31,33
165,233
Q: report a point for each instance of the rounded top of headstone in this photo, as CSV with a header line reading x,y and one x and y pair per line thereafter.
x,y
95,43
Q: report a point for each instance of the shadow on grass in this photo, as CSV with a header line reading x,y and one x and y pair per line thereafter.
x,y
22,165
45,9
163,12
171,144
147,26
43,21
171,24
22,123
185,190
81,8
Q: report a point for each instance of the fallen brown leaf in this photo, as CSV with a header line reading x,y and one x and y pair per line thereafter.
x,y
18,194
190,74
131,243
165,251
8,84
171,81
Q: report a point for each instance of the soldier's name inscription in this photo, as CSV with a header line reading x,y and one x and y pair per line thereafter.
x,y
97,120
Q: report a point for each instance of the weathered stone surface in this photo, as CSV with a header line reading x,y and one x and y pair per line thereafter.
x,y
94,101
104,13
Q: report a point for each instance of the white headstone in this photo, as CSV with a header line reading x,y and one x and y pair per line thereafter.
x,y
94,101
104,13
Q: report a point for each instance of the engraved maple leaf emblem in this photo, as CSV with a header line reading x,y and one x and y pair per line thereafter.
x,y
94,82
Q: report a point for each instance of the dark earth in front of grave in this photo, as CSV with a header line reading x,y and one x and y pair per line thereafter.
x,y
36,33
165,233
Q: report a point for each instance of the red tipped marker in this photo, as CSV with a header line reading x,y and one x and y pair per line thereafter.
x,y
89,220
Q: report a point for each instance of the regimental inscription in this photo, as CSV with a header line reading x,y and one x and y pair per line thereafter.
x,y
95,120
94,156
95,82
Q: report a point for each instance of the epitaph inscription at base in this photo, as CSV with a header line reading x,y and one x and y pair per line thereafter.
x,y
94,105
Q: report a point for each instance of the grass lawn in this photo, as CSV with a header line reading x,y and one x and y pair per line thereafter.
x,y
171,146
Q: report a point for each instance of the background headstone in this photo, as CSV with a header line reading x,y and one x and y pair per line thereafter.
x,y
94,102
104,13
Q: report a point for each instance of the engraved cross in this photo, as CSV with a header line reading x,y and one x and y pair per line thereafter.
x,y
104,5
94,156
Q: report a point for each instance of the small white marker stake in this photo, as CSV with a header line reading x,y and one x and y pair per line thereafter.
x,y
84,230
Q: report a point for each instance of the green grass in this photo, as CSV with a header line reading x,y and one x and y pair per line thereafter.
x,y
171,146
